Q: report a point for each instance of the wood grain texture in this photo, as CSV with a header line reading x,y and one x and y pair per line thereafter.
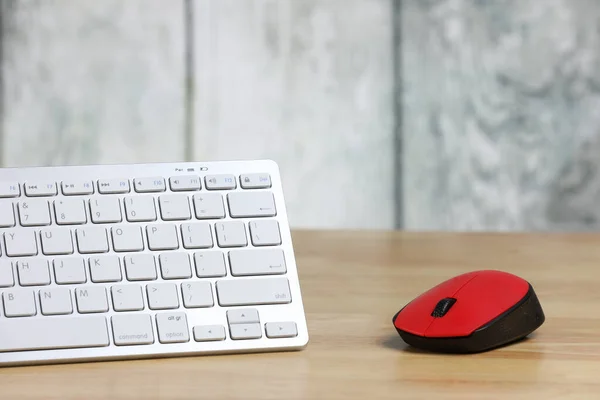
x,y
499,108
353,283
93,82
308,84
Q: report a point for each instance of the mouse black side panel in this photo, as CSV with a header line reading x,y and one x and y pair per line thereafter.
x,y
516,323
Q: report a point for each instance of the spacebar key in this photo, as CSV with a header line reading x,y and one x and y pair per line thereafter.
x,y
52,333
246,292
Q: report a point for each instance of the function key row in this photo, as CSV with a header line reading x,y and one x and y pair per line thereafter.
x,y
140,185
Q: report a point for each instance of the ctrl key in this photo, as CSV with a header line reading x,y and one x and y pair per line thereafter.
x,y
132,329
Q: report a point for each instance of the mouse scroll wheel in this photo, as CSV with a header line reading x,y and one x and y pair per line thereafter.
x,y
442,307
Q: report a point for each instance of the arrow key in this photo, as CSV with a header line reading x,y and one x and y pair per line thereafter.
x,y
281,329
245,331
243,316
209,333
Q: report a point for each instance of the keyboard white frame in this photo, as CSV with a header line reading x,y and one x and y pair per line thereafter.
x,y
204,316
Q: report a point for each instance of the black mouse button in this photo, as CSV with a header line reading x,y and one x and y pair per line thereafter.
x,y
442,307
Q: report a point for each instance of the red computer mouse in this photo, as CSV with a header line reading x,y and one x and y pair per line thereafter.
x,y
471,313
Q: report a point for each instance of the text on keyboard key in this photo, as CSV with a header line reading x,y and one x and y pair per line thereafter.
x,y
265,232
91,299
220,182
56,241
257,262
33,189
209,264
251,204
209,206
56,301
162,237
18,303
184,183
196,236
243,292
20,243
105,268
174,207
255,181
162,296
92,239
127,238
231,234
105,210
70,211
172,327
148,185
243,316
33,272
132,329
69,270
197,294
127,297
75,187
281,329
140,208
175,265
53,333
245,331
112,186
209,333
34,212
140,267
9,189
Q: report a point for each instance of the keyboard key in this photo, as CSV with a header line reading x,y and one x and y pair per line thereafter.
x,y
56,301
185,183
210,264
9,189
127,238
47,188
69,270
132,329
6,273
33,272
140,209
70,211
231,234
281,329
20,243
140,267
257,262
219,182
242,292
197,294
105,269
35,212
7,214
162,237
53,333
245,331
175,266
127,297
265,233
112,186
91,299
18,303
196,236
162,296
209,333
77,187
174,207
255,181
251,204
172,327
209,206
92,239
148,185
105,210
56,241
243,316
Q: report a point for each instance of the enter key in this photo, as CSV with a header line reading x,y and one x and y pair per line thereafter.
x,y
257,262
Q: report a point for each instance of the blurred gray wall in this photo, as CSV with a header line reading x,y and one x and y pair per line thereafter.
x,y
415,114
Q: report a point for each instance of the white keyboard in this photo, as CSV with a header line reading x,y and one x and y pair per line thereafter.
x,y
113,262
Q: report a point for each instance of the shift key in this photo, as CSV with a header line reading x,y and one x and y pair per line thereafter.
x,y
244,292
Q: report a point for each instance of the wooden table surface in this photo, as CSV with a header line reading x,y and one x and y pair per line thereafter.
x,y
353,283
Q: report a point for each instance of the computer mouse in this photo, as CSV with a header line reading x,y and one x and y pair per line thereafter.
x,y
471,313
